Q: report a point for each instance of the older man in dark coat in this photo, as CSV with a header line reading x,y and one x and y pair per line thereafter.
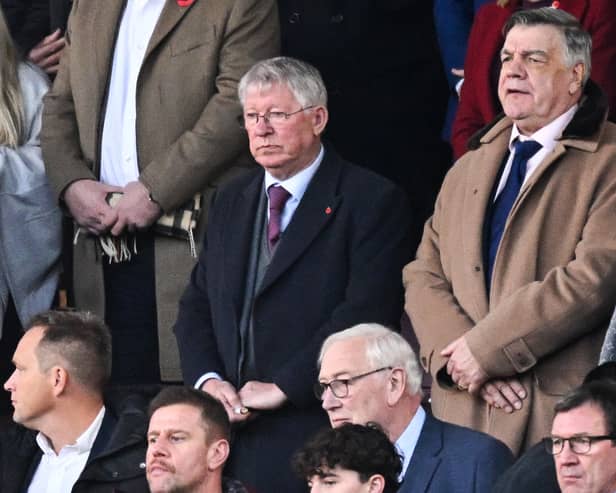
x,y
304,247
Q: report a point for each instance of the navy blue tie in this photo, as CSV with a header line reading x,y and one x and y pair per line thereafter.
x,y
503,203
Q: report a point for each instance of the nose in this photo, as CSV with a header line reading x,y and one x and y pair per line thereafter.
x,y
157,449
567,456
262,127
330,401
514,67
9,385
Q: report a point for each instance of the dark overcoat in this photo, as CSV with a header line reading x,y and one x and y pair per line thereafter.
x,y
338,264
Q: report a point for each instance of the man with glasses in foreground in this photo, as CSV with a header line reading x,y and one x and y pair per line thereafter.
x,y
306,246
583,439
370,374
534,470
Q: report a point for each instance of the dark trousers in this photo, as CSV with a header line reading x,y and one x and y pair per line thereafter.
x,y
130,308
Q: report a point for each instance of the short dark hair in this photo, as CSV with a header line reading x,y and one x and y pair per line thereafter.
x,y
80,341
577,41
605,371
213,415
600,393
364,449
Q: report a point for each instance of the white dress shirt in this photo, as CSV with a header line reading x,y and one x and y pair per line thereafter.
x,y
119,164
407,442
546,136
58,473
296,186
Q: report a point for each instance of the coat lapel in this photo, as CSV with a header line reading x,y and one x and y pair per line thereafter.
x,y
238,238
172,14
317,208
476,200
426,458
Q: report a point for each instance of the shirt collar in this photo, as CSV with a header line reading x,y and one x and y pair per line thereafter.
x,y
298,183
407,442
83,443
548,135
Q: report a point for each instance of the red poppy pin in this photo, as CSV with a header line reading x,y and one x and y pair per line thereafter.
x,y
328,210
555,5
185,3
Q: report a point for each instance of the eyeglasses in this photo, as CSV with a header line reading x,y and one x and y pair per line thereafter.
x,y
274,118
578,445
340,386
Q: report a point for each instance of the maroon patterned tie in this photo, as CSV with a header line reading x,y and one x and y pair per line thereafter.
x,y
278,196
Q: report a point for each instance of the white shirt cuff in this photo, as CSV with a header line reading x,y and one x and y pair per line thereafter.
x,y
206,377
459,86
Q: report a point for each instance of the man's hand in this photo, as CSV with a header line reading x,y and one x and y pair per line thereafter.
x,y
135,209
462,366
86,201
262,396
46,54
225,393
506,394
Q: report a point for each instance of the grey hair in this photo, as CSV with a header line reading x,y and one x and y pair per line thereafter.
x,y
577,41
303,80
384,348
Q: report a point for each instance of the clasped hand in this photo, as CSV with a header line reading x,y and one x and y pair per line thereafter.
x,y
244,404
466,372
87,203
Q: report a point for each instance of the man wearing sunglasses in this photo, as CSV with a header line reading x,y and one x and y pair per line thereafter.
x,y
369,373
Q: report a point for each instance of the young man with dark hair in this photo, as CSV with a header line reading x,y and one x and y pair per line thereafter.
x,y
350,459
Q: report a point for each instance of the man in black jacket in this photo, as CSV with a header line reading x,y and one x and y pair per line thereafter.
x,y
67,439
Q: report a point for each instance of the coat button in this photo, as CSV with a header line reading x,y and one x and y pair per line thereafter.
x,y
115,474
336,19
477,268
294,18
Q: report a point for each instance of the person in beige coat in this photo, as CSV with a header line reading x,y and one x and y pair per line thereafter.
x,y
503,349
180,85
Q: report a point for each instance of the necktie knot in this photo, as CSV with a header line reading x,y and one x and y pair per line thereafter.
x,y
278,197
523,152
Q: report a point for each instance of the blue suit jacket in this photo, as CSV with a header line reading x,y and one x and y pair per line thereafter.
x,y
453,459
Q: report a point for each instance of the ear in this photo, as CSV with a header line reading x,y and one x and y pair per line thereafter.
x,y
578,76
217,454
376,484
320,116
58,377
396,386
